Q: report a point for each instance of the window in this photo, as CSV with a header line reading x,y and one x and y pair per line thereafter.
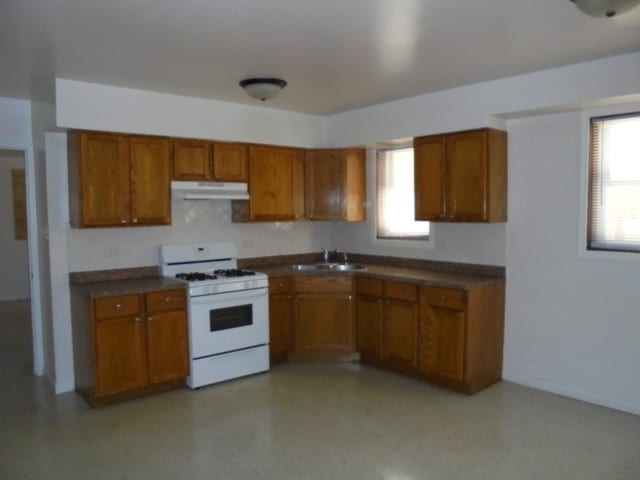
x,y
396,207
614,190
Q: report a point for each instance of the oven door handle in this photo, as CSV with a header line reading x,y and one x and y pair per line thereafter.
x,y
241,295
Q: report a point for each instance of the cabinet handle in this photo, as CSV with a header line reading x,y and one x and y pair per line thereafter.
x,y
149,318
350,297
137,319
135,220
117,305
123,221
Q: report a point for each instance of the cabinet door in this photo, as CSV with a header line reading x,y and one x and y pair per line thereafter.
x,y
192,160
167,346
280,326
103,172
150,181
442,349
276,185
466,176
120,361
429,177
324,322
325,184
369,320
230,162
400,338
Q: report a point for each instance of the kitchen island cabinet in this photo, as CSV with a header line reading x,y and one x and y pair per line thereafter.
x,y
128,345
118,180
335,184
461,176
276,186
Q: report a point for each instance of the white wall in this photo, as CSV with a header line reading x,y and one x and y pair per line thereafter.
x,y
572,322
14,255
99,107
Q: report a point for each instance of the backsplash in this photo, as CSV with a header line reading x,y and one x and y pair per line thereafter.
x,y
192,221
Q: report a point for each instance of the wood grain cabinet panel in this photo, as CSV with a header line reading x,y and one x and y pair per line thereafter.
x,y
118,180
167,350
461,177
461,336
335,184
323,322
280,319
400,337
192,160
230,162
120,355
369,326
276,186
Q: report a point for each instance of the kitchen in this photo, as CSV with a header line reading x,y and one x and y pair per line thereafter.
x,y
569,320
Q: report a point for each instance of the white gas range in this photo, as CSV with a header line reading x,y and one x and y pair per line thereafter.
x,y
228,311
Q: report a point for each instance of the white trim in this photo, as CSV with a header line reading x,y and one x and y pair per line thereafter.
x,y
34,255
567,391
585,117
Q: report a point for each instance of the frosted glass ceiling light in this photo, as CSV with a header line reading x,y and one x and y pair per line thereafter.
x,y
605,8
263,88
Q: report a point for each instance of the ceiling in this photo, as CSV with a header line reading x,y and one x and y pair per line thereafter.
x,y
336,54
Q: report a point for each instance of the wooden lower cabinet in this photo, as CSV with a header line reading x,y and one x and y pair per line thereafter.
x,y
280,319
323,318
461,336
452,337
131,345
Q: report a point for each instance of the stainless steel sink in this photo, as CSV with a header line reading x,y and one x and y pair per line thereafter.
x,y
329,267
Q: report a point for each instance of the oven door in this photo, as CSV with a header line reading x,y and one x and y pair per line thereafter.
x,y
226,322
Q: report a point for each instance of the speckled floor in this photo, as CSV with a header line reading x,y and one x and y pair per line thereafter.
x,y
303,421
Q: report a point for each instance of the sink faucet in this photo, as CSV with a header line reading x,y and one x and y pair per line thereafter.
x,y
325,254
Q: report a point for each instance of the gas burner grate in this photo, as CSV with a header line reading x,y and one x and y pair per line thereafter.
x,y
195,276
233,272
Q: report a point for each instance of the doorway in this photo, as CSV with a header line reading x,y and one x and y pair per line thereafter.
x,y
19,282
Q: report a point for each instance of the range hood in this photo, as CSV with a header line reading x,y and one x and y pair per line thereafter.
x,y
209,190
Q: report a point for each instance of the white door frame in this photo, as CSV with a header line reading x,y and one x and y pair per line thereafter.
x,y
34,254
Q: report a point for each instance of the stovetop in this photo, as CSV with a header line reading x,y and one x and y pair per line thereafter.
x,y
215,275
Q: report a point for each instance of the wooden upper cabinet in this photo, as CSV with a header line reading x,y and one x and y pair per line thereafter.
x,y
150,181
276,186
192,160
118,180
429,177
230,162
461,177
335,184
99,179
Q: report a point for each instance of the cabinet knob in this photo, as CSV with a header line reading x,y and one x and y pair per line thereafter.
x,y
117,305
167,299
149,318
137,319
135,220
123,221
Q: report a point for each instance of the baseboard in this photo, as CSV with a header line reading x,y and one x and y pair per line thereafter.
x,y
571,392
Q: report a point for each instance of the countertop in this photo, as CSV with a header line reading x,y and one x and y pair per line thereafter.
x,y
420,276
107,288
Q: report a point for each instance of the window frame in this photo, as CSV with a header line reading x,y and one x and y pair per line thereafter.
x,y
420,242
584,223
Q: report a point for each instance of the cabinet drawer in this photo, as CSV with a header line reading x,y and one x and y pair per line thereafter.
x,y
165,300
279,285
329,283
119,306
369,286
401,290
444,297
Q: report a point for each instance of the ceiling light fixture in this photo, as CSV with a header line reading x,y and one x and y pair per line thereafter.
x,y
263,88
605,8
